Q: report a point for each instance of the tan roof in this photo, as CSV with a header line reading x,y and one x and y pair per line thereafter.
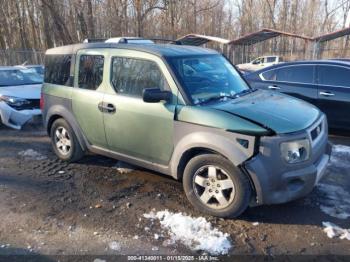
x,y
333,35
196,39
263,35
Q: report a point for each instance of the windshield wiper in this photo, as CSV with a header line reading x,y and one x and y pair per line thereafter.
x,y
244,92
239,94
213,98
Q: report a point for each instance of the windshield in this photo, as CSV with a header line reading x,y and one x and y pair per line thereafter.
x,y
16,77
39,69
208,77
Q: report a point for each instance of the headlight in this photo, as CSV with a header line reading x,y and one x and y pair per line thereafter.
x,y
14,101
296,151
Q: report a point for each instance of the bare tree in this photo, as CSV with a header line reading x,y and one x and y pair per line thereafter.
x,y
41,24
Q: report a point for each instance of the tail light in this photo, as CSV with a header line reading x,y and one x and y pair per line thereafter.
x,y
42,101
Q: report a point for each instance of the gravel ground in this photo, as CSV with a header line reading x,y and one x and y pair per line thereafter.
x,y
53,208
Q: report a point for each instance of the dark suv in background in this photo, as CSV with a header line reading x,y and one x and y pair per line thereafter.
x,y
325,84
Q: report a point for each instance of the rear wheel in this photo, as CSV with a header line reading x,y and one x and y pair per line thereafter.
x,y
213,185
64,142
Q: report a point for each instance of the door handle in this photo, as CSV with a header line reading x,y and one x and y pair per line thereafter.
x,y
326,94
273,87
106,107
110,108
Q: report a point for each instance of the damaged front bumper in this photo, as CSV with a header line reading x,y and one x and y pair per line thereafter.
x,y
16,118
276,181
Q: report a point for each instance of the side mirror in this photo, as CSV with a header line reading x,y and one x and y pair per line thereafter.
x,y
155,95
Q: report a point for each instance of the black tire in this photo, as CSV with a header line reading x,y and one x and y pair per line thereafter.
x,y
75,153
241,197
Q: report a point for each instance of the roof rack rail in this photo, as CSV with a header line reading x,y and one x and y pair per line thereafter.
x,y
133,40
129,39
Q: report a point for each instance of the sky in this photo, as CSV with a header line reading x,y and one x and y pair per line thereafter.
x,y
332,4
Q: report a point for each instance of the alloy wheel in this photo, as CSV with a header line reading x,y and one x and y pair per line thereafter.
x,y
214,187
62,141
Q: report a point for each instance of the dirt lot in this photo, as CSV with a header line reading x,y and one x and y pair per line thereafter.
x,y
50,207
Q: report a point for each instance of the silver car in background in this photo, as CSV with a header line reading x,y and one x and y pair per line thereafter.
x,y
20,89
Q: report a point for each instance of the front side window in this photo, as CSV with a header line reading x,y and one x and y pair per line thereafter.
x,y
90,71
207,77
131,76
57,69
257,61
334,76
269,75
16,77
296,74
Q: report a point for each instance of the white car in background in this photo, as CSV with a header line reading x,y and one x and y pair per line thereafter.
x,y
20,90
260,62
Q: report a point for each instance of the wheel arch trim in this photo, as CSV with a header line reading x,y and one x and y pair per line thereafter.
x,y
59,111
190,137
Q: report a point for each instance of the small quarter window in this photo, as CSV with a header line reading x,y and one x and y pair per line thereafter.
x,y
90,71
130,76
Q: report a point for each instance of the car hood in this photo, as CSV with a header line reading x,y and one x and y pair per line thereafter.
x,y
275,111
22,91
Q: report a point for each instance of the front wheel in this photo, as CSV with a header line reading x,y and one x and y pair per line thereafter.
x,y
213,185
64,142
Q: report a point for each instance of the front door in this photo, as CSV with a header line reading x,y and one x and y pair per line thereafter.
x,y
334,95
135,128
88,93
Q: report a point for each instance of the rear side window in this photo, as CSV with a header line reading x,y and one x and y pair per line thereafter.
x,y
90,71
334,76
57,69
270,59
296,74
130,76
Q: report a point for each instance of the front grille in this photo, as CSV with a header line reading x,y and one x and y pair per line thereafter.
x,y
316,132
33,104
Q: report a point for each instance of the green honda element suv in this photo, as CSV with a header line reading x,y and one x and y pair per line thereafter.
x,y
186,112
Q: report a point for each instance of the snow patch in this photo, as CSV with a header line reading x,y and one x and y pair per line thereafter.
x,y
342,149
340,156
335,202
195,233
123,168
333,230
99,260
114,245
32,155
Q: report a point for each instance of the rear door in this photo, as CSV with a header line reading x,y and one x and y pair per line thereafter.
x,y
294,80
334,94
88,94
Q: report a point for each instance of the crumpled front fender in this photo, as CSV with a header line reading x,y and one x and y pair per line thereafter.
x,y
14,118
